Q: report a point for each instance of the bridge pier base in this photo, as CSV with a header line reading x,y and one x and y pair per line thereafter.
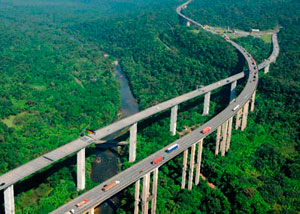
x,y
253,101
173,120
81,170
245,116
218,140
232,91
188,23
238,119
145,194
192,166
132,142
9,200
206,103
92,211
137,197
267,68
199,158
184,167
229,134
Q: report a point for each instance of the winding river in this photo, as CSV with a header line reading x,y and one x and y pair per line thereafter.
x,y
106,163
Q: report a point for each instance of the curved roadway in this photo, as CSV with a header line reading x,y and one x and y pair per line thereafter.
x,y
127,177
132,174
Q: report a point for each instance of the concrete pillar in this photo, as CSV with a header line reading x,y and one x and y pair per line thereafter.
x,y
232,91
188,23
137,197
145,194
192,166
253,101
245,116
92,211
199,158
81,170
173,120
9,200
229,134
154,191
206,103
224,133
184,167
238,119
218,140
267,69
132,143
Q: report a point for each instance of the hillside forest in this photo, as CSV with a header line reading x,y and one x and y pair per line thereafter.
x,y
55,83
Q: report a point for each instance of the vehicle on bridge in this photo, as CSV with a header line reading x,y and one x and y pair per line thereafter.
x,y
158,159
108,186
82,202
236,107
205,130
253,61
172,148
72,211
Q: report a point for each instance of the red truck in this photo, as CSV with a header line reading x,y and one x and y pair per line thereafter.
x,y
205,130
158,159
82,202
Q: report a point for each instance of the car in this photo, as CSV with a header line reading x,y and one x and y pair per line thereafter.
x,y
72,211
2,184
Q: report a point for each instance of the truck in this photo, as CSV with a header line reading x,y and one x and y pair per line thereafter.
x,y
172,148
82,202
108,186
205,130
158,159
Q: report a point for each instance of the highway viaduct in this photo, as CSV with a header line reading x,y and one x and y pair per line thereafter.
x,y
222,123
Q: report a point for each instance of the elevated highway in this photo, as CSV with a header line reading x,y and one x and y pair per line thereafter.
x,y
96,196
138,171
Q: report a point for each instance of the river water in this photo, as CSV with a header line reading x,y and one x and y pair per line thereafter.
x,y
106,164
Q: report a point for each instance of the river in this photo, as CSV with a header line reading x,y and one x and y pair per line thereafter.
x,y
106,163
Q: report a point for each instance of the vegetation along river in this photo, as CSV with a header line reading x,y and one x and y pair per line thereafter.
x,y
105,164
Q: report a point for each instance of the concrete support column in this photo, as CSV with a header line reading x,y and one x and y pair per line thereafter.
x,y
145,194
267,68
173,120
206,103
137,197
229,134
92,211
188,23
232,91
238,119
81,170
218,140
154,191
253,101
192,166
184,167
199,158
9,200
132,143
245,116
224,134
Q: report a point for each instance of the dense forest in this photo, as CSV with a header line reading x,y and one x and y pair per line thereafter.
x,y
55,83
